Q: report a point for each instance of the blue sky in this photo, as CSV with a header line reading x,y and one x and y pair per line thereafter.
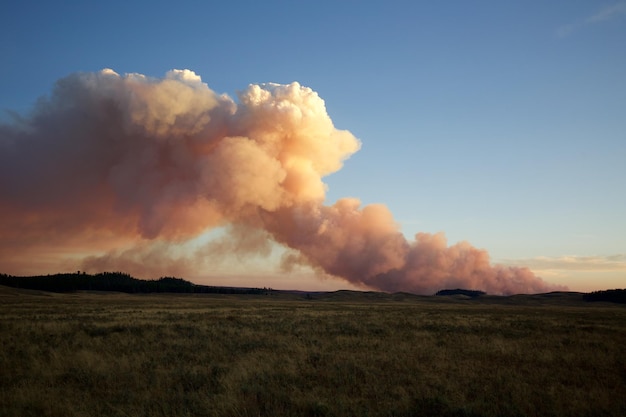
x,y
500,123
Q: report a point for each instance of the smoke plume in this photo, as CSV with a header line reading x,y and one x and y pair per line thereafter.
x,y
121,172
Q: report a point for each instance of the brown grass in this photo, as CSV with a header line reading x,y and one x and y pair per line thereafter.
x,y
121,355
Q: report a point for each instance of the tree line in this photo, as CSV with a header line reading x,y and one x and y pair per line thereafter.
x,y
117,281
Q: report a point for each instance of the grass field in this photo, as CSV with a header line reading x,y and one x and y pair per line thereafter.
x,y
345,355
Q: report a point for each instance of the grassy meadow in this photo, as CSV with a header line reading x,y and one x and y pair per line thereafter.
x,y
207,355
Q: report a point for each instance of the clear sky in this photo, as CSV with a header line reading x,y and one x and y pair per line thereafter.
x,y
497,122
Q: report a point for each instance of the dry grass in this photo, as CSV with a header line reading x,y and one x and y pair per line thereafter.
x,y
120,355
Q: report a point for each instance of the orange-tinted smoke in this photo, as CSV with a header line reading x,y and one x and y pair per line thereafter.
x,y
116,172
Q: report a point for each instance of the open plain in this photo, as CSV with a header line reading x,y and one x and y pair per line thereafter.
x,y
334,354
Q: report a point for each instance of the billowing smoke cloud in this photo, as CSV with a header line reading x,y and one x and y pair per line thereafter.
x,y
121,172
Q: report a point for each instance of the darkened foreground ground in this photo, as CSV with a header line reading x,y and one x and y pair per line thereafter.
x,y
348,355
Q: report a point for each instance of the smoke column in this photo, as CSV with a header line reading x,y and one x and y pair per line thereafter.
x,y
130,168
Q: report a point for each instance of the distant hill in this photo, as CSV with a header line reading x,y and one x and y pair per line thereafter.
x,y
122,282
614,296
459,291
116,281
